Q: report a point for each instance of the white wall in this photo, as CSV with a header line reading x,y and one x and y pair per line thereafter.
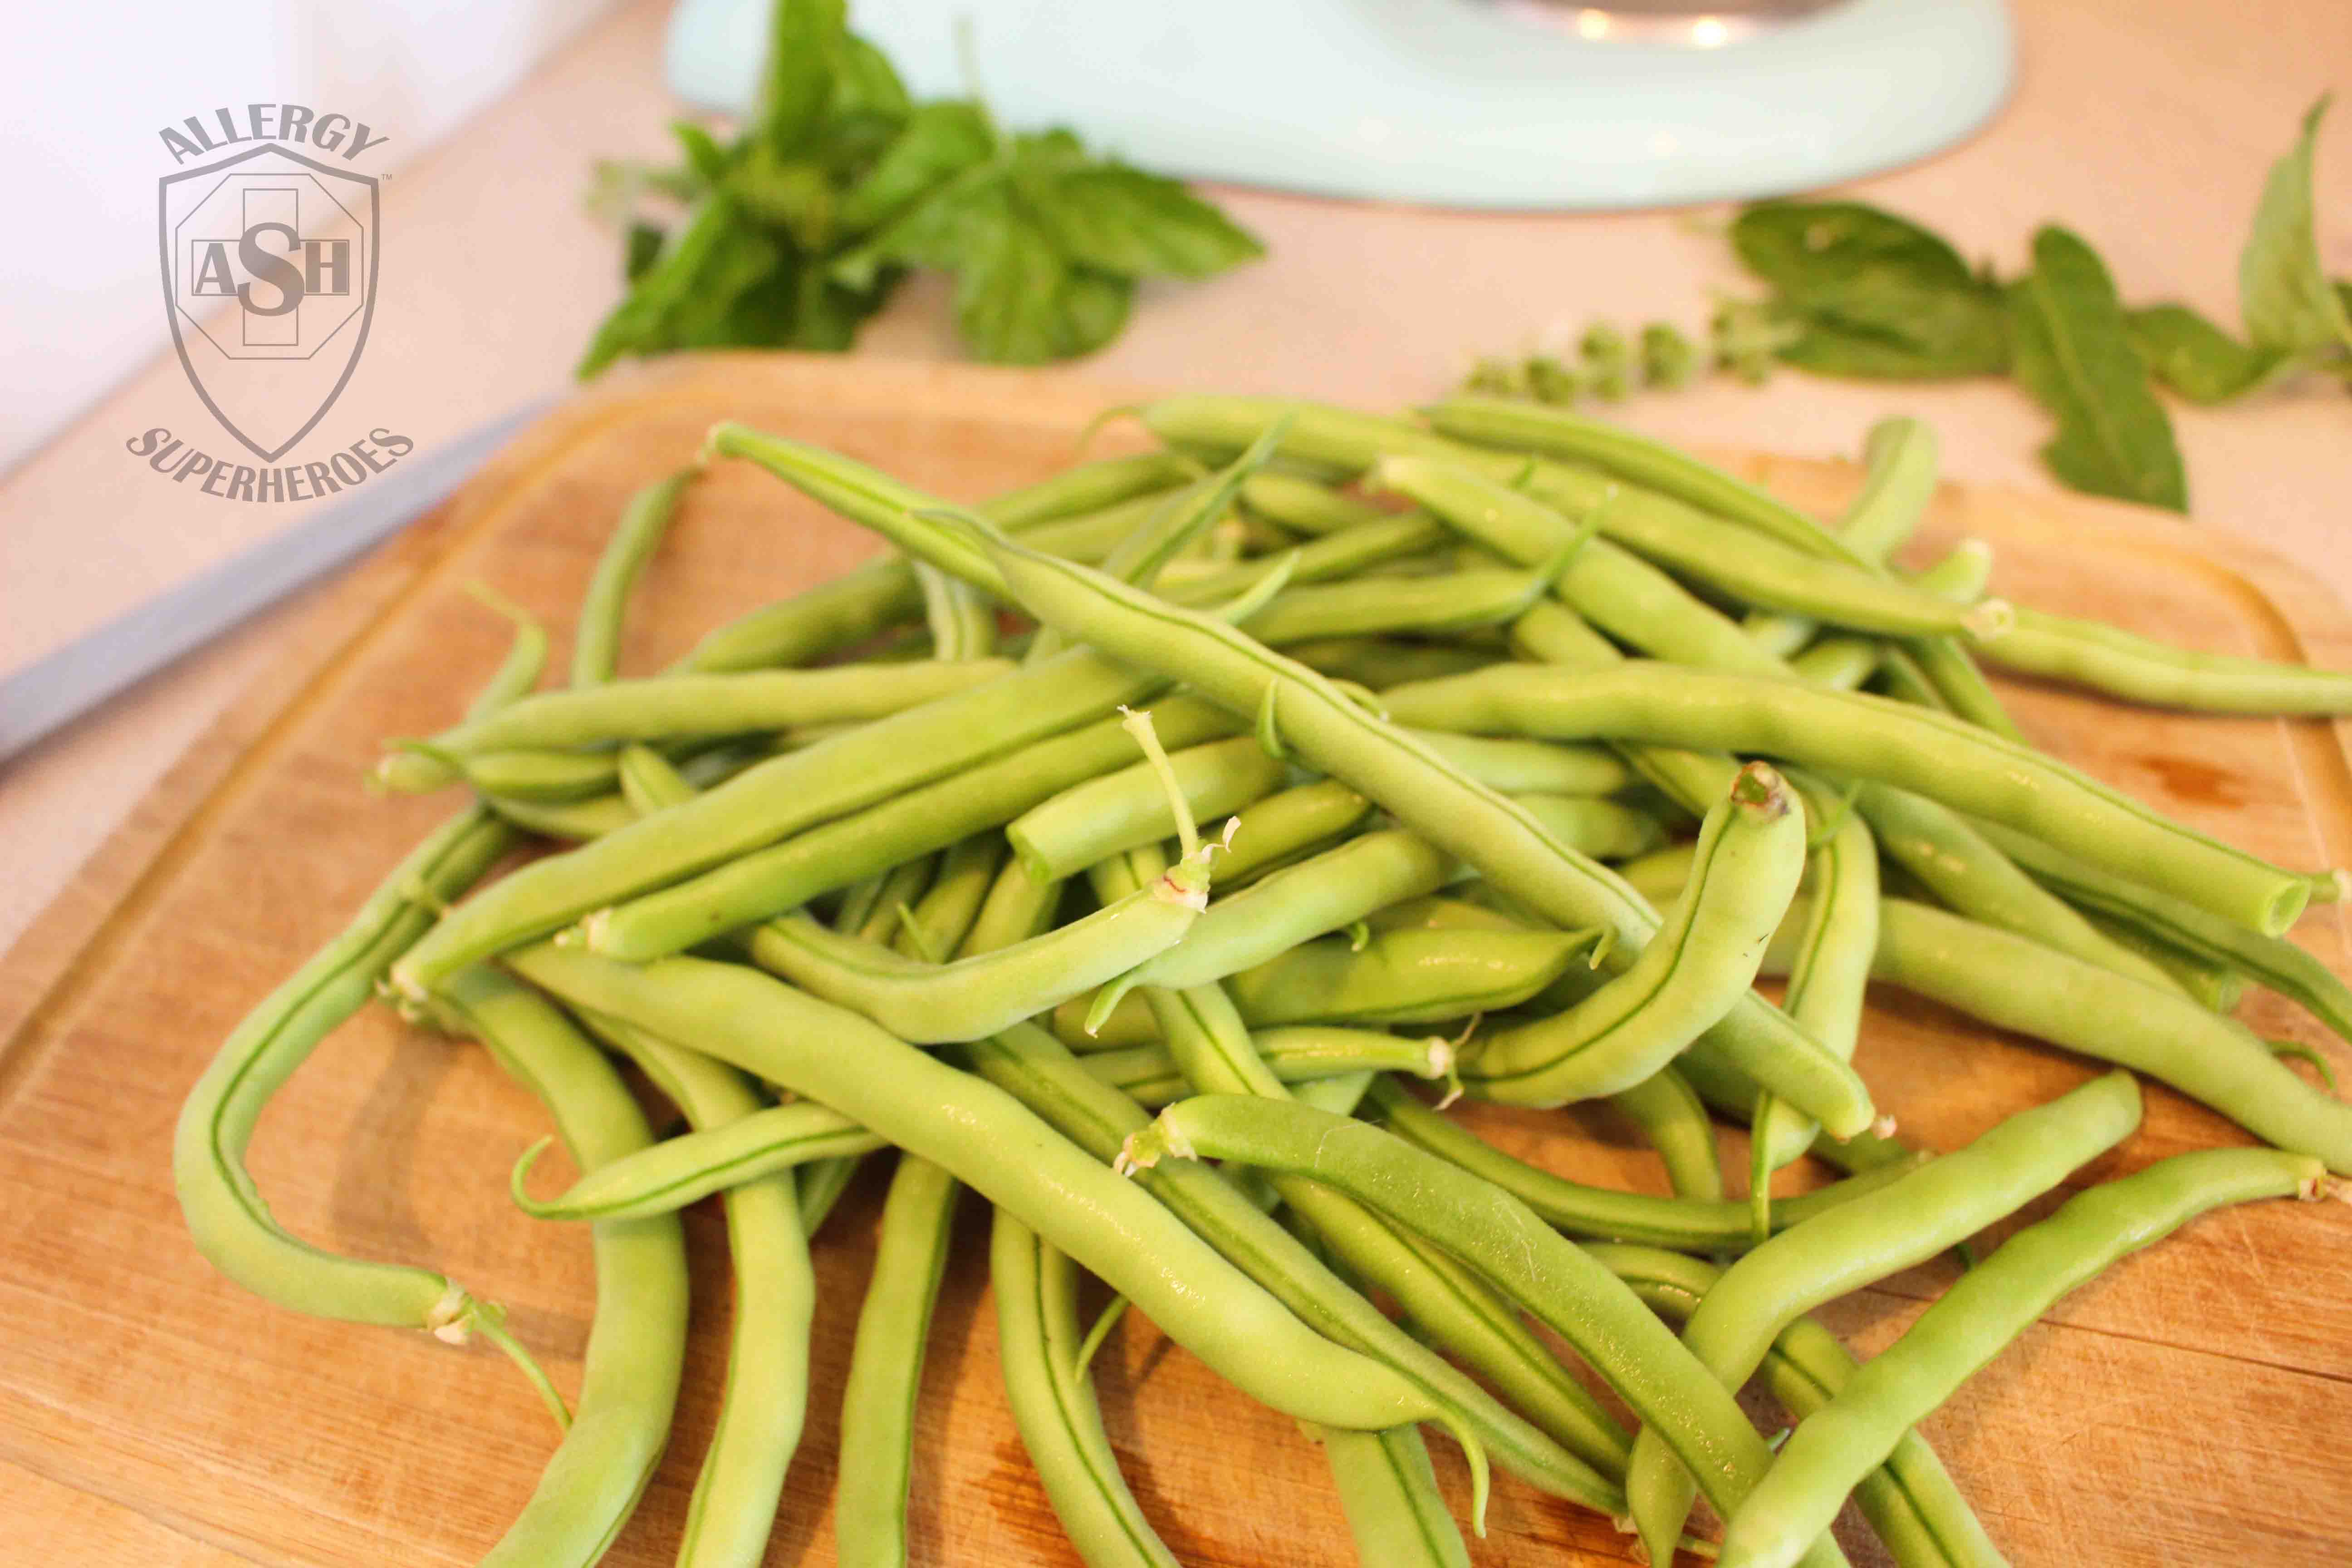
x,y
85,85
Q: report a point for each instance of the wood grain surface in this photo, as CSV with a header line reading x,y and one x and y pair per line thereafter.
x,y
2192,1406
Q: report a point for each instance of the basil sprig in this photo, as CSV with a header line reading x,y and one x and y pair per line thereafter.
x,y
797,231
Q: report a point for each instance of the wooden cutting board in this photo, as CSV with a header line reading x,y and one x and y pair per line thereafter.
x,y
2195,1405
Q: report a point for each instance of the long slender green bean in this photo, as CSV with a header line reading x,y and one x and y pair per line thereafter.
x,y
596,641
2140,670
1673,1118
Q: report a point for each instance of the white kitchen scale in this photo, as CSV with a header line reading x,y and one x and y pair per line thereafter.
x,y
1523,104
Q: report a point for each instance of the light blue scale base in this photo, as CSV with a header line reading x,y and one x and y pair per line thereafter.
x,y
1467,103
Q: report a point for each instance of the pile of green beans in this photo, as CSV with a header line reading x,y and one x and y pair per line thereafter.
x,y
1294,780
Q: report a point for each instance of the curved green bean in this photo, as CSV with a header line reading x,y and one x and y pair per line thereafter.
x,y
953,904
1053,1406
1942,758
1389,1493
1974,1320
1110,814
1674,1122
596,640
1752,852
988,1142
2141,669
1908,1221
1604,1214
1281,828
886,1366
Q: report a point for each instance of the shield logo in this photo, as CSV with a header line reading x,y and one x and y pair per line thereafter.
x,y
269,269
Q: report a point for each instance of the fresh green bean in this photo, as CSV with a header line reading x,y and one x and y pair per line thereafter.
x,y
1604,1213
1499,1236
733,1510
873,912
967,873
2140,670
1517,767
1941,758
1378,540
930,1003
683,1170
986,1140
1945,662
1910,1501
785,875
1303,506
1438,912
1372,606
1969,874
1826,981
1671,1116
526,656
1017,908
223,1206
1389,1493
1841,663
961,622
1899,459
1118,811
1378,663
2217,987
1053,1406
1907,1222
2275,962
1604,829
1752,852
637,1344
773,800
1278,829
886,1366
1500,839
578,820
1974,1320
596,640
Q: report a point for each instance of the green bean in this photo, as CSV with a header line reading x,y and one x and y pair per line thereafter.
x,y
1517,767
886,1366
1989,1307
596,640
1499,1236
1940,757
636,1344
877,918
1438,912
1604,1213
1671,1116
1842,664
1944,662
961,622
1826,981
1616,590
1208,1041
1029,1063
1378,663
578,820
683,1170
1324,893
822,1184
771,800
1017,908
526,656
2275,962
1480,826
1389,1493
849,608
532,774
1114,812
1904,681
1604,829
648,782
1910,1501
1303,506
1752,852
1377,542
1367,606
1053,1406
1662,874
1856,1243
988,1142
1555,432
2015,984
1899,457
733,1510
1282,828
967,873
1296,1056
929,1004
785,875
1969,874
2140,670
2217,987
689,707
223,1206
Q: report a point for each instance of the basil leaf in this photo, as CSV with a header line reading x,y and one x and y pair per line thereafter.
x,y
1874,295
865,82
1095,307
940,141
644,243
1122,220
937,231
791,194
704,156
1009,282
796,80
2195,358
2290,308
709,264
2073,351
